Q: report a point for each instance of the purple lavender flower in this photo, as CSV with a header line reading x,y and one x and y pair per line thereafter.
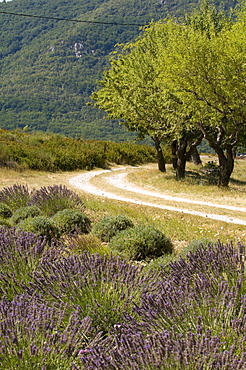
x,y
55,198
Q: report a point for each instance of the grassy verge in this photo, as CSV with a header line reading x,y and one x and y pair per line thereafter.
x,y
181,228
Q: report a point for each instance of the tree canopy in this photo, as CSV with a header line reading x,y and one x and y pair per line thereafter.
x,y
183,81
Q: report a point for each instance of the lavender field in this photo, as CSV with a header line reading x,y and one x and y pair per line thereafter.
x,y
61,310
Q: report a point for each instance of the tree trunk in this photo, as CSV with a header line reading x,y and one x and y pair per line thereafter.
x,y
195,156
180,170
174,146
181,160
160,157
226,163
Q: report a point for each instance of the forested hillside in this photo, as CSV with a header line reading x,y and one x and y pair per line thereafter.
x,y
49,68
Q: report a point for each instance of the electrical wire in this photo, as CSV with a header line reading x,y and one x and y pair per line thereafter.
x,y
72,20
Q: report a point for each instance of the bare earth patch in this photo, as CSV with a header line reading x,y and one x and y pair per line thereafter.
x,y
106,183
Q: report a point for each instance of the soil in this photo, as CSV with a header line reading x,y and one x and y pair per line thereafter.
x,y
119,180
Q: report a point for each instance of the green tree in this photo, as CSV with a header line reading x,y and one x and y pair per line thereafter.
x,y
207,72
133,91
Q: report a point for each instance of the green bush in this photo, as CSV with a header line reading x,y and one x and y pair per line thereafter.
x,y
53,152
140,243
5,211
40,226
4,222
70,221
110,226
24,212
194,245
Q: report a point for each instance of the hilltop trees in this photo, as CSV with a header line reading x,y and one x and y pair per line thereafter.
x,y
182,82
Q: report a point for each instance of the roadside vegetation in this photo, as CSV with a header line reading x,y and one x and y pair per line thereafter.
x,y
52,152
88,284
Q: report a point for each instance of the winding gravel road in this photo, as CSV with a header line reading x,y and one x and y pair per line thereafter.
x,y
118,180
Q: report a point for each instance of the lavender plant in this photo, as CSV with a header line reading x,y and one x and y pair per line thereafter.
x,y
36,336
104,288
15,196
92,312
20,253
55,198
168,350
194,318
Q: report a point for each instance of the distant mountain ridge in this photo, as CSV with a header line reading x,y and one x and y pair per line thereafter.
x,y
49,68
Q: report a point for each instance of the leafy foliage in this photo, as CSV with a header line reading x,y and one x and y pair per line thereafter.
x,y
70,221
50,68
24,212
40,226
140,242
169,85
109,226
49,152
5,211
5,222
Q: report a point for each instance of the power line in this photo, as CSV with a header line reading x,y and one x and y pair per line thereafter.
x,y
72,20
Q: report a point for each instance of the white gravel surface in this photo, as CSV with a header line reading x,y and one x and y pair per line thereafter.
x,y
82,182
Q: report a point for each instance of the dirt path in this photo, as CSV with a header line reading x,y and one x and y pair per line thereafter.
x,y
118,180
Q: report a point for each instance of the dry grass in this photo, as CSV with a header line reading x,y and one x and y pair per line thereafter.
x,y
194,186
180,227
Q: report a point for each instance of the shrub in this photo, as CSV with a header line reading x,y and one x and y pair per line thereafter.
x,y
15,196
24,212
103,288
70,221
109,226
194,245
20,254
41,336
141,242
40,226
5,211
211,170
55,198
4,222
